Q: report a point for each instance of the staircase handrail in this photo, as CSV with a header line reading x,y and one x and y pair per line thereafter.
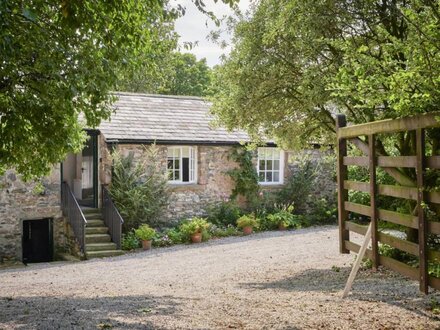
x,y
112,218
74,214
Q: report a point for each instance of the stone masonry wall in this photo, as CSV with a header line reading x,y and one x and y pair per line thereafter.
x,y
25,201
213,183
189,200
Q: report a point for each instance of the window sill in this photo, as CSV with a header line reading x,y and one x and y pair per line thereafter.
x,y
185,187
271,185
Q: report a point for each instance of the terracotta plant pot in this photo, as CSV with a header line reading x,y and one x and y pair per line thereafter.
x,y
247,230
146,245
281,226
196,238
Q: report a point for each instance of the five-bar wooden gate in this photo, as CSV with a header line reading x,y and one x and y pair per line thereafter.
x,y
405,188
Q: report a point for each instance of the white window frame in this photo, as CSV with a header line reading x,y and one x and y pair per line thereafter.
x,y
192,164
281,169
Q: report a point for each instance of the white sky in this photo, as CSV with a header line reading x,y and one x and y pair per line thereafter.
x,y
195,26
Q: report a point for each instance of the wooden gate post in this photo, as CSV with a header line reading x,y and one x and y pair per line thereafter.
x,y
373,204
341,121
420,169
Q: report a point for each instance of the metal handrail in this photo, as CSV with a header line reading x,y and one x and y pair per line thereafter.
x,y
112,217
74,214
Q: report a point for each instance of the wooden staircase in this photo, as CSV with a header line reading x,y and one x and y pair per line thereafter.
x,y
98,240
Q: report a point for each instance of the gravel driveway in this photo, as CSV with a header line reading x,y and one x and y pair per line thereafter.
x,y
272,280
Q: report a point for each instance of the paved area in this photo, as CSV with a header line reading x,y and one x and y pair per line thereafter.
x,y
273,280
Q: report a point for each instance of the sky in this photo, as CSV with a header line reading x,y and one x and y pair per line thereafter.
x,y
195,26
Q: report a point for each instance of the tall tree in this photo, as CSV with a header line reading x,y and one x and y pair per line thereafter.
x,y
60,59
188,76
296,62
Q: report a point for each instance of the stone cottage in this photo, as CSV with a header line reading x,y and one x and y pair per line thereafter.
x,y
69,208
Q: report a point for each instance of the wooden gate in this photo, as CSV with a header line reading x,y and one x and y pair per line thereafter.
x,y
364,138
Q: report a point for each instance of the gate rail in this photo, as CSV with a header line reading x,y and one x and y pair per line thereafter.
x,y
407,190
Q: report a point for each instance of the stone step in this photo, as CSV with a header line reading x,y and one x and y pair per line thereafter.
x,y
97,238
96,230
100,247
95,223
103,254
93,216
87,210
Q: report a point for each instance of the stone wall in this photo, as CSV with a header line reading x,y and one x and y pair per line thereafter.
x,y
213,183
28,201
188,200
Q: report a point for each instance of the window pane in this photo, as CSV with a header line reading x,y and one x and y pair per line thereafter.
x,y
185,152
170,175
170,164
276,176
261,177
185,169
262,165
177,175
269,165
276,165
269,177
177,164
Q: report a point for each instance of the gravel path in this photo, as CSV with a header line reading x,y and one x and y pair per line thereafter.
x,y
273,280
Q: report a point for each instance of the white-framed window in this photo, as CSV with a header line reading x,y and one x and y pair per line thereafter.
x,y
270,166
182,164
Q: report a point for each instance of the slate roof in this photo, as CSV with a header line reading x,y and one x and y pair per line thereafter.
x,y
165,119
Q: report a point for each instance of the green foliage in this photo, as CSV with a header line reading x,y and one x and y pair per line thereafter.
x,y
60,60
294,61
245,176
193,226
322,212
129,241
139,189
299,183
218,231
162,240
248,220
173,73
224,213
145,232
188,76
284,217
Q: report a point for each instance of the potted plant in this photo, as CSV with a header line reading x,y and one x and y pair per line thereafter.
x,y
280,220
247,223
145,233
194,229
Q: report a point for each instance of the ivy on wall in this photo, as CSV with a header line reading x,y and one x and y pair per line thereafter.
x,y
245,176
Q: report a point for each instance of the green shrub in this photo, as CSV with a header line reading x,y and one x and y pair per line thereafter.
x,y
224,213
129,241
175,236
145,233
322,212
161,240
218,231
139,188
283,217
194,226
248,220
299,184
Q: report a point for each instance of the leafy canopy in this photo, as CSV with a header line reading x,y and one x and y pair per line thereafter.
x,y
60,59
177,74
296,62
